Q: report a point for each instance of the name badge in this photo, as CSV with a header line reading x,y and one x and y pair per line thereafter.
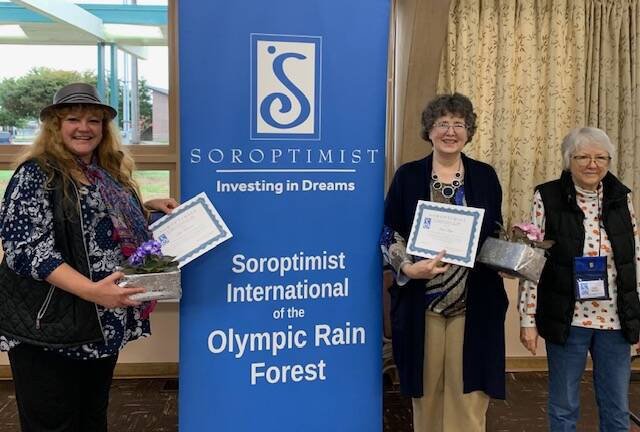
x,y
591,280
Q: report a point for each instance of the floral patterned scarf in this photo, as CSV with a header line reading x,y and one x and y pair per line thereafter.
x,y
129,223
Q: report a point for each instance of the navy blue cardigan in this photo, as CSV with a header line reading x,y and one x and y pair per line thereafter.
x,y
483,351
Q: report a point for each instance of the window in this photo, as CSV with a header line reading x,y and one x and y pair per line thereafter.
x,y
140,29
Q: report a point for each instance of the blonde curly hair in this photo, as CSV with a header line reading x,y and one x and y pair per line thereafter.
x,y
49,151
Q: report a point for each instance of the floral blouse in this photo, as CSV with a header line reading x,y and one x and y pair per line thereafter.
x,y
26,229
595,314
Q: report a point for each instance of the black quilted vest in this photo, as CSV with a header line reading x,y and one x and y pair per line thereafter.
x,y
35,311
564,225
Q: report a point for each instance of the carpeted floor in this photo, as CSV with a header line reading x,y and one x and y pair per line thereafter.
x,y
524,410
151,405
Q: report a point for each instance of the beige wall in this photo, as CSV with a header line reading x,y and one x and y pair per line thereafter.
x,y
140,356
522,358
162,346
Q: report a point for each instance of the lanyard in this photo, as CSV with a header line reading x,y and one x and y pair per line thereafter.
x,y
599,220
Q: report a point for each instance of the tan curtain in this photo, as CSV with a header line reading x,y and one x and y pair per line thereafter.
x,y
534,69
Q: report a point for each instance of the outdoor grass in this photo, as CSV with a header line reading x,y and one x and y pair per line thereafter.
x,y
5,176
153,184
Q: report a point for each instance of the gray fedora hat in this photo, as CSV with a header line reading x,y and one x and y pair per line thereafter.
x,y
74,94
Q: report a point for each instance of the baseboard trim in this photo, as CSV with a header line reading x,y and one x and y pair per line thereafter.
x,y
539,364
526,364
125,370
170,370
146,370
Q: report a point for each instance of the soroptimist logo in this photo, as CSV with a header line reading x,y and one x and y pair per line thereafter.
x,y
285,87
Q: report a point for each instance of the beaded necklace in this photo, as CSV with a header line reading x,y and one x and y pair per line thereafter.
x,y
447,191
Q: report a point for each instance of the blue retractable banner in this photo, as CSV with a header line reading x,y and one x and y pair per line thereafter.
x,y
282,124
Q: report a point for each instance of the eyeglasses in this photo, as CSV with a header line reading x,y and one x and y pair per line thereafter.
x,y
444,127
584,160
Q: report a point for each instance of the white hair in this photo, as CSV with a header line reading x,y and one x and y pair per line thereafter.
x,y
581,137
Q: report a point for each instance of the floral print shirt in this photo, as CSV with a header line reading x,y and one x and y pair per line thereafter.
x,y
26,229
595,314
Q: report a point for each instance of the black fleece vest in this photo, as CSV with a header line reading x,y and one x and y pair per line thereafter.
x,y
67,320
564,224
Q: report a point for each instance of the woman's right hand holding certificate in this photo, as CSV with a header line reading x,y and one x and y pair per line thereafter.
x,y
426,268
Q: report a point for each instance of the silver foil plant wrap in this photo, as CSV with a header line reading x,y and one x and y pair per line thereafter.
x,y
159,286
516,259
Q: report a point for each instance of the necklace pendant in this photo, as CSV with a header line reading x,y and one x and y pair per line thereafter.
x,y
448,192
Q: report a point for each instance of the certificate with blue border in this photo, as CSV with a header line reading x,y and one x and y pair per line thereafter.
x,y
190,230
455,229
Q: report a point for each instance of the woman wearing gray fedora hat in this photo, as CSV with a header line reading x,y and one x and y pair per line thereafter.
x,y
70,214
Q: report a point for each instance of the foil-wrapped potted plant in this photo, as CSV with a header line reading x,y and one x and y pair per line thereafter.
x,y
149,268
519,252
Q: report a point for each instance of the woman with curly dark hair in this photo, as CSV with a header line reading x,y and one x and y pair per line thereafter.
x,y
447,320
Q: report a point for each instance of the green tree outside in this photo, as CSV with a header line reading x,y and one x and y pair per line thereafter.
x,y
21,99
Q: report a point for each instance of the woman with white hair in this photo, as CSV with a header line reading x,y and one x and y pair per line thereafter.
x,y
587,297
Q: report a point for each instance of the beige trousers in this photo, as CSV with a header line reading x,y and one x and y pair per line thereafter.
x,y
444,407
